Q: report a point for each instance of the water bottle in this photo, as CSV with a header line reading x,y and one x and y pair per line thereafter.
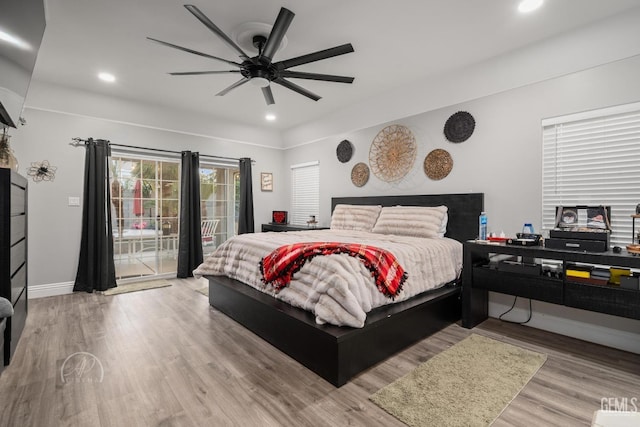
x,y
482,233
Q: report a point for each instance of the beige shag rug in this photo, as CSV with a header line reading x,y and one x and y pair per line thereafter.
x,y
137,286
468,384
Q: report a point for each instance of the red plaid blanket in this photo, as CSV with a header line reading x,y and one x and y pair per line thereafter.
x,y
278,267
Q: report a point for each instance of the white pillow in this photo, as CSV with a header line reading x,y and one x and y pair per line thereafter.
x,y
354,217
418,221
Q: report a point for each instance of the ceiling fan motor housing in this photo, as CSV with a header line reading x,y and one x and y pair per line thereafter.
x,y
260,69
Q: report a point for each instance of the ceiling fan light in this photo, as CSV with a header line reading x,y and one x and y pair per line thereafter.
x,y
260,82
270,117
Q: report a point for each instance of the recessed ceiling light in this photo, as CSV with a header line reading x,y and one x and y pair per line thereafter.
x,y
270,117
107,77
526,6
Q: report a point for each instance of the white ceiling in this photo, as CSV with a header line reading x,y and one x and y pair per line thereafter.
x,y
396,43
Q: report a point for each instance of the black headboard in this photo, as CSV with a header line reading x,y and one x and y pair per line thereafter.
x,y
464,209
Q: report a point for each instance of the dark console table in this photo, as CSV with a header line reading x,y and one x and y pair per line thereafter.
x,y
480,276
288,227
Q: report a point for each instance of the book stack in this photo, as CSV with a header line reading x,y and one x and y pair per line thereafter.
x,y
587,274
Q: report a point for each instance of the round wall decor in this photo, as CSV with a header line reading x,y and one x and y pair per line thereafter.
x,y
459,126
360,174
392,153
438,164
344,151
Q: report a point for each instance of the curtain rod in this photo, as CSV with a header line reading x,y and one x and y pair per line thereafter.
x,y
79,141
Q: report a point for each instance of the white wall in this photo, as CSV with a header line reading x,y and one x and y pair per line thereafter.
x,y
602,42
502,159
54,228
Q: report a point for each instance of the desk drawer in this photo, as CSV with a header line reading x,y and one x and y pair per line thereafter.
x,y
536,287
604,299
18,256
17,228
18,282
17,200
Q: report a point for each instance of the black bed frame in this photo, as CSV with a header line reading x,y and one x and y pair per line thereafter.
x,y
338,353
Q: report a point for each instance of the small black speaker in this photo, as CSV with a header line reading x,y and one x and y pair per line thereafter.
x,y
638,209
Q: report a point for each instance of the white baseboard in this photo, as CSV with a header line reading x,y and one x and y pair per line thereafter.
x,y
50,290
611,331
64,288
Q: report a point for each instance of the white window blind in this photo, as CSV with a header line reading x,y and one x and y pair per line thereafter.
x,y
593,160
305,192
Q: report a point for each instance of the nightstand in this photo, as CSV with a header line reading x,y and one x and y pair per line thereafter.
x,y
288,227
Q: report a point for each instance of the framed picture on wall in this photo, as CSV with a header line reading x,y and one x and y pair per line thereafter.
x,y
266,181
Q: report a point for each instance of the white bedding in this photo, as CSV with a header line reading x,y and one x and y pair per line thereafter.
x,y
338,289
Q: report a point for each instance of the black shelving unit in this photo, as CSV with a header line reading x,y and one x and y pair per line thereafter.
x,y
480,276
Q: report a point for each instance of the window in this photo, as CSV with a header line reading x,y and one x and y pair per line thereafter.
x,y
219,195
305,192
593,158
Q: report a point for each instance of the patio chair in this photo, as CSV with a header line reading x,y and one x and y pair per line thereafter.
x,y
208,229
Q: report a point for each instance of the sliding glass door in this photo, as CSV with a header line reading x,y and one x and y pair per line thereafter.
x,y
144,202
219,195
145,211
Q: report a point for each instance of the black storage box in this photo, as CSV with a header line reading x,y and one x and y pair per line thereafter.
x,y
577,245
581,228
600,236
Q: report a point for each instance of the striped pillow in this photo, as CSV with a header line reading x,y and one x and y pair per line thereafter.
x,y
418,221
354,217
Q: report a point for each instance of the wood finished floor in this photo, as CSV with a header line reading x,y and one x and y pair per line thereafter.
x,y
171,360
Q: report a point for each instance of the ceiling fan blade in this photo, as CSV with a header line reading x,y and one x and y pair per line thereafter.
x,y
233,86
199,73
294,87
210,25
278,31
268,95
315,76
315,56
195,52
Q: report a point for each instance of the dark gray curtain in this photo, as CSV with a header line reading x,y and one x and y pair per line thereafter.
x,y
245,220
190,238
96,270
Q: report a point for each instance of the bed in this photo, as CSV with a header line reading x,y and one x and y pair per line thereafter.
x,y
337,353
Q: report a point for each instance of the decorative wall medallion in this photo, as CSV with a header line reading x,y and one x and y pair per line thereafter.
x,y
459,126
344,151
392,153
360,174
438,164
42,171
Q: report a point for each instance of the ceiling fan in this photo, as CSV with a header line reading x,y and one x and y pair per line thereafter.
x,y
260,69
